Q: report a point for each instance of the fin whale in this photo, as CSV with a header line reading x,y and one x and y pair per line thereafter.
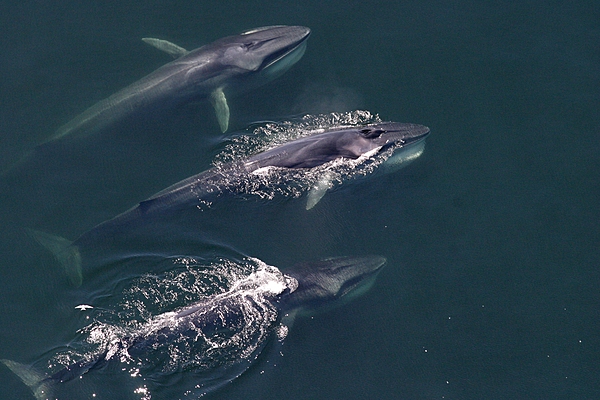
x,y
402,142
227,66
272,297
213,72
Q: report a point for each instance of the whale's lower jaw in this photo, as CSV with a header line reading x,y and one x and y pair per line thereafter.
x,y
404,156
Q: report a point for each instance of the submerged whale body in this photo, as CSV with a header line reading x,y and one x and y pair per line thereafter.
x,y
329,157
227,66
213,72
218,337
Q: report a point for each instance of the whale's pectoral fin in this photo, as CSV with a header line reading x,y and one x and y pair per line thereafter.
x,y
64,251
219,102
316,193
166,46
33,379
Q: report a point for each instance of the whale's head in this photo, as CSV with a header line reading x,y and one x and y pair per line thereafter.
x,y
405,141
332,282
389,134
268,51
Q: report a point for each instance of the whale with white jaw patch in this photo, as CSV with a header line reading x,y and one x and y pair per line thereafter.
x,y
395,143
215,71
217,338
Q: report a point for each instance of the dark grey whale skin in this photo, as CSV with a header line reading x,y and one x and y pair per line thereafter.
x,y
311,287
307,152
231,64
148,215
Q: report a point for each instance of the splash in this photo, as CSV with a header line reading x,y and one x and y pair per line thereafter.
x,y
269,182
231,317
273,134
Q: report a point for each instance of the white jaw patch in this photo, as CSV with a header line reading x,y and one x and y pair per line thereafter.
x,y
403,156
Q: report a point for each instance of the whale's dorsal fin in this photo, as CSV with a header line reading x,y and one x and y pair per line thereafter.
x,y
219,102
316,193
166,46
145,205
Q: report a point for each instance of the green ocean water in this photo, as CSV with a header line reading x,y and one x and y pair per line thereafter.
x,y
492,235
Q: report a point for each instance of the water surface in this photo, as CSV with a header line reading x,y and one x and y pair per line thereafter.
x,y
491,235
